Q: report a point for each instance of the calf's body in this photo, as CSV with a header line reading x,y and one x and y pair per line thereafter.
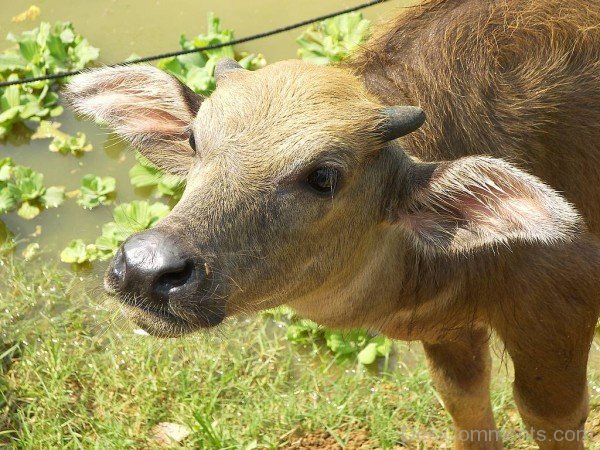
x,y
304,187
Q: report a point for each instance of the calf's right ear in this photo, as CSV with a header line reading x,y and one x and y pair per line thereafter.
x,y
150,109
474,202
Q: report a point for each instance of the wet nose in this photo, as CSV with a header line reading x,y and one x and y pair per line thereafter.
x,y
153,266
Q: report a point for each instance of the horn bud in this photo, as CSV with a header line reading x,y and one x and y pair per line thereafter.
x,y
401,120
225,66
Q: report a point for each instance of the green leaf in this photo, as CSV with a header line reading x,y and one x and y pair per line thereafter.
x,y
67,36
70,144
96,191
303,331
56,111
157,212
12,96
146,174
377,346
11,62
29,182
345,343
20,184
8,201
173,66
7,241
200,79
368,355
57,49
42,33
129,218
197,69
28,211
6,166
47,130
134,216
85,53
171,186
30,50
139,215
32,110
252,61
8,115
77,252
111,237
333,39
53,197
384,345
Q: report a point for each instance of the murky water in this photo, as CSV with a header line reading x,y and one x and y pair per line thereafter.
x,y
120,28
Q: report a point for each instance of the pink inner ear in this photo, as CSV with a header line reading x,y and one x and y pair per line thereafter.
x,y
157,121
499,211
478,201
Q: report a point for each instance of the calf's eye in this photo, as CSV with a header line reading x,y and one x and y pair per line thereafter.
x,y
192,142
323,180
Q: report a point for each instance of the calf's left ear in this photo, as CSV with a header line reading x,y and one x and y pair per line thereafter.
x,y
150,109
475,202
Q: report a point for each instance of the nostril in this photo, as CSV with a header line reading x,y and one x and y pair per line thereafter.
x,y
173,279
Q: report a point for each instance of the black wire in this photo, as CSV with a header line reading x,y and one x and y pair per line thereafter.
x,y
252,37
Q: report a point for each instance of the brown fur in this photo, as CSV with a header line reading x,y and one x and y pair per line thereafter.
x,y
407,246
517,80
514,79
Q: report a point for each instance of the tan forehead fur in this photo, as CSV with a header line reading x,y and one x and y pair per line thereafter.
x,y
316,111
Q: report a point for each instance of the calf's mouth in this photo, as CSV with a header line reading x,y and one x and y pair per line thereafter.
x,y
163,286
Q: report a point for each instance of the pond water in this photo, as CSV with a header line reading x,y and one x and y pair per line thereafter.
x,y
118,29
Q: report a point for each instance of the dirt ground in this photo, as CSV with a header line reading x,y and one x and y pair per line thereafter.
x,y
358,439
350,437
353,440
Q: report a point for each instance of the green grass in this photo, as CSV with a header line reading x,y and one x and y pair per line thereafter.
x,y
74,375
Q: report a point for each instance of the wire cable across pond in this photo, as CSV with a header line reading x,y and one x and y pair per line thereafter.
x,y
242,40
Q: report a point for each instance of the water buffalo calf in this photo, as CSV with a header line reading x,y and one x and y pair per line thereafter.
x,y
315,187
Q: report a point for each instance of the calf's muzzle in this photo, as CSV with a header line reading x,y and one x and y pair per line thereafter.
x,y
152,268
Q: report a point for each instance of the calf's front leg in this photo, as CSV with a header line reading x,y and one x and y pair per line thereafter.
x,y
550,386
460,368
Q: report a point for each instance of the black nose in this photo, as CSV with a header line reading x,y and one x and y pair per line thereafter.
x,y
152,266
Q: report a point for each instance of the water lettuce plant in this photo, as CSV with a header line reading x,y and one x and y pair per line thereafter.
x,y
351,344
128,218
197,69
78,252
70,144
144,174
41,51
62,142
333,39
22,188
96,191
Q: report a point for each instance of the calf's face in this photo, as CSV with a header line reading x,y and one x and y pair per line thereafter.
x,y
292,173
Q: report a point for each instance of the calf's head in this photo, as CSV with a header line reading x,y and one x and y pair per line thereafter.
x,y
293,175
